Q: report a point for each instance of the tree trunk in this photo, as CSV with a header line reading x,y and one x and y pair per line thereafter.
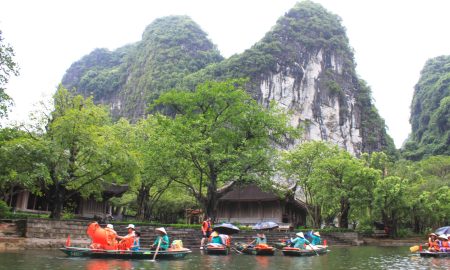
x,y
142,201
345,210
211,201
317,216
58,194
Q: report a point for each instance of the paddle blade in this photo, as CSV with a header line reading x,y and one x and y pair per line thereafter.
x,y
414,248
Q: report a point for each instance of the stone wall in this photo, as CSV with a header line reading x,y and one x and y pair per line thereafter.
x,y
43,233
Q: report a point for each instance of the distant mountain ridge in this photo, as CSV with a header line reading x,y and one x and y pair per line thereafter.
x,y
430,111
304,63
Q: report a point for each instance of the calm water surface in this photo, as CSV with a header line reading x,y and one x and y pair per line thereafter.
x,y
339,258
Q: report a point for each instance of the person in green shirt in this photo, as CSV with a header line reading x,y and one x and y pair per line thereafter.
x,y
300,241
315,239
215,238
163,237
260,239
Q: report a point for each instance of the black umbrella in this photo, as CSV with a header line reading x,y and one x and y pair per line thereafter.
x,y
265,225
226,228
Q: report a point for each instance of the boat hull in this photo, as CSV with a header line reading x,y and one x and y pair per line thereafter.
x,y
125,254
434,254
268,251
217,250
289,251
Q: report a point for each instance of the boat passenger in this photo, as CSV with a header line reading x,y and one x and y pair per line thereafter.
x,y
136,244
300,241
111,235
131,232
163,237
432,237
260,239
315,239
443,243
126,242
215,238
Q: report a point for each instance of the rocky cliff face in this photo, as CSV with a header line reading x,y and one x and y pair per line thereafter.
x,y
314,107
304,64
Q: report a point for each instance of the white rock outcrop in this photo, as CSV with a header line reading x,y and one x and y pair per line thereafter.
x,y
300,93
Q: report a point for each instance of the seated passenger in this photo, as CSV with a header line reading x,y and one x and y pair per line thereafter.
x,y
315,239
163,238
300,241
260,239
432,238
136,244
216,239
111,235
126,242
443,243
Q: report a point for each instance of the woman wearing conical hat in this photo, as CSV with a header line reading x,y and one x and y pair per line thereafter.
x,y
315,238
163,238
300,241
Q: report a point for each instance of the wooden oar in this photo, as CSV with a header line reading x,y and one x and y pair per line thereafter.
x,y
233,248
157,249
248,245
313,249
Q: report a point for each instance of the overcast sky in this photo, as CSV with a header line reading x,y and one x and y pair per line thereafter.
x,y
391,39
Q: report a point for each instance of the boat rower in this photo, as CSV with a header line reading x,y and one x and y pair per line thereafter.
x,y
300,241
315,239
163,238
260,239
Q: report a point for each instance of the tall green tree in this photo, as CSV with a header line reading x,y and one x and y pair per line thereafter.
x,y
8,67
157,166
343,184
223,136
83,151
390,200
21,163
301,165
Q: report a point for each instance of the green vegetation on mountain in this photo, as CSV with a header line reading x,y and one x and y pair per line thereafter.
x,y
175,53
300,33
171,48
373,129
430,111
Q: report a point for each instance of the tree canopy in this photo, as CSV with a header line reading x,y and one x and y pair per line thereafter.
x,y
8,67
221,136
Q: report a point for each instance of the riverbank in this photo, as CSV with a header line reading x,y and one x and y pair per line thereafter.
x,y
47,234
389,242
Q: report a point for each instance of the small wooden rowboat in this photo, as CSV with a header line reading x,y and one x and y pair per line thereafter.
x,y
217,249
427,253
126,254
290,251
256,250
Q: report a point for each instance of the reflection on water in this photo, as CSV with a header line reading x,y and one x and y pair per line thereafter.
x,y
338,258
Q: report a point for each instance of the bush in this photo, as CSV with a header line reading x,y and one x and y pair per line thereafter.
x,y
4,209
404,232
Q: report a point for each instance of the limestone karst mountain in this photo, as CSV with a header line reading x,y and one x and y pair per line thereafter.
x,y
430,111
304,63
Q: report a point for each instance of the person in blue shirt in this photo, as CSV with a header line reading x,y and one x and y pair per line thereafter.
x,y
136,244
300,241
315,239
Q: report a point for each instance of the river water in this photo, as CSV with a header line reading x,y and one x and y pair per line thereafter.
x,y
347,258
